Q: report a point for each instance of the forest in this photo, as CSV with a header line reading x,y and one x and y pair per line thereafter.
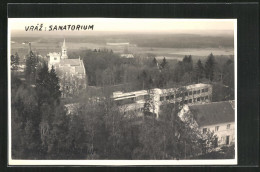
x,y
105,68
41,127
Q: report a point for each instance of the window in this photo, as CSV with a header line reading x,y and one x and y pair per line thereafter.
x,y
204,130
194,100
194,92
185,101
228,126
55,58
146,97
139,98
190,101
216,142
202,98
202,90
186,93
198,99
227,140
207,97
172,97
216,128
167,97
190,93
161,98
198,92
206,89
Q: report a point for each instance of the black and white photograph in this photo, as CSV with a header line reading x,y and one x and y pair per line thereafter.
x,y
122,91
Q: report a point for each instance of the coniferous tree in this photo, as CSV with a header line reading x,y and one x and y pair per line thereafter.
x,y
199,70
164,63
42,85
210,67
143,78
47,86
30,70
17,58
14,61
187,64
178,72
54,86
154,62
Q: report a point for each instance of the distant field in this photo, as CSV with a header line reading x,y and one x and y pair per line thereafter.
x,y
45,45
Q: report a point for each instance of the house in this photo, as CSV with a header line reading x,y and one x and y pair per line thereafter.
x,y
71,72
217,117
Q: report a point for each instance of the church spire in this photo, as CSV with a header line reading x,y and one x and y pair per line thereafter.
x,y
64,51
64,43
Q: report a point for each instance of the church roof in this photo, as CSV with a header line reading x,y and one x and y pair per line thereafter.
x,y
71,62
79,69
213,113
64,69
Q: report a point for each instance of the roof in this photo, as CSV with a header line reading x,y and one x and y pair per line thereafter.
x,y
64,44
64,69
213,113
72,62
79,69
120,95
199,85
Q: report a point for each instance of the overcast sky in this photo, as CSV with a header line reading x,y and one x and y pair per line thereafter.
x,y
128,25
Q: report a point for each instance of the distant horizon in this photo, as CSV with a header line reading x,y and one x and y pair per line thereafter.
x,y
16,33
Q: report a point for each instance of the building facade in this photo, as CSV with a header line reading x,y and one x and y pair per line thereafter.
x,y
71,72
135,101
216,117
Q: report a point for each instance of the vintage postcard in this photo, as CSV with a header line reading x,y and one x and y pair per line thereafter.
x,y
122,91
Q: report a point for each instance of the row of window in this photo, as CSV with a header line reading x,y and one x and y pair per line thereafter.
x,y
204,130
125,101
190,100
169,97
200,99
142,97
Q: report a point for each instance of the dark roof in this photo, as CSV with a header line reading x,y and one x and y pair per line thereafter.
x,y
72,62
79,69
213,113
64,69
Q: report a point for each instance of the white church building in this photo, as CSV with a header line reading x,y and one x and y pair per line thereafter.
x,y
71,72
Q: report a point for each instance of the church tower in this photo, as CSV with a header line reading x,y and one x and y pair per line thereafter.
x,y
64,51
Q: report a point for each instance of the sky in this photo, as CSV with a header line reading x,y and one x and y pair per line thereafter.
x,y
127,25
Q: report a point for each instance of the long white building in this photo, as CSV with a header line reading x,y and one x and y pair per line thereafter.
x,y
191,94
